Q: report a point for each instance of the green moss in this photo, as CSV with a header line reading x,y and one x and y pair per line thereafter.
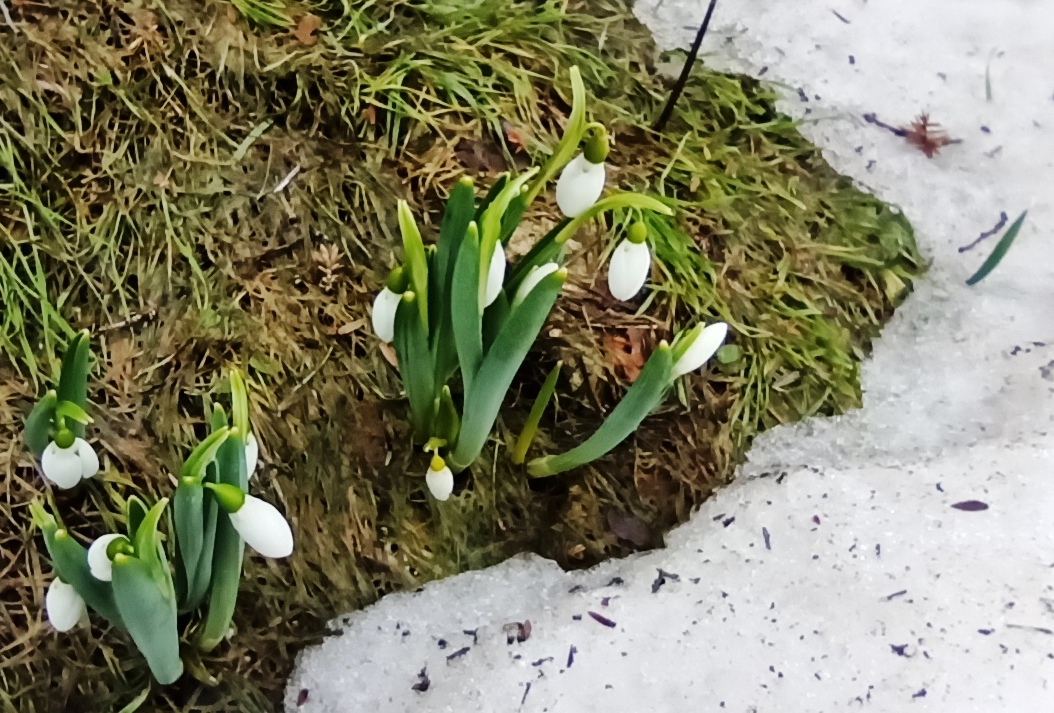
x,y
137,172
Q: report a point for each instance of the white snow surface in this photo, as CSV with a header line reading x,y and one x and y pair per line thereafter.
x,y
834,573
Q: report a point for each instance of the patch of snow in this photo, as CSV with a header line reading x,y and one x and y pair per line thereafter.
x,y
837,572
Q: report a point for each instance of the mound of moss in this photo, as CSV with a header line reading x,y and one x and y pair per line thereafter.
x,y
201,190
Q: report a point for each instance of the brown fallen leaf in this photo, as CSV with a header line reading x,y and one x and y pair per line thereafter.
x,y
388,351
626,354
516,137
307,27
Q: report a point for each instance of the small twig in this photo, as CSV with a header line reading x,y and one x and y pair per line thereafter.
x,y
987,234
842,17
686,72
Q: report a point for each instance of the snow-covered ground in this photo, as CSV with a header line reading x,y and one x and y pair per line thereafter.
x,y
837,573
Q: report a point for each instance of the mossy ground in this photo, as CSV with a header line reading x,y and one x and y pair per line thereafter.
x,y
140,146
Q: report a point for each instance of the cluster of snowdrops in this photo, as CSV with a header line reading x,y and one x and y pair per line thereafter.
x,y
458,315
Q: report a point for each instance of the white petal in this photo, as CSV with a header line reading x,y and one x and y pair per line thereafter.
x,y
579,186
495,275
252,454
384,307
628,269
99,564
64,606
263,528
88,457
704,346
440,483
536,275
62,466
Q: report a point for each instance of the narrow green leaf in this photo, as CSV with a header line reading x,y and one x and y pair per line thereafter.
x,y
494,192
135,511
448,423
457,217
228,554
73,378
642,398
194,467
999,252
530,427
415,365
511,220
188,516
464,312
490,226
203,576
218,421
147,605
69,559
415,258
38,424
147,540
239,404
483,400
494,318
573,131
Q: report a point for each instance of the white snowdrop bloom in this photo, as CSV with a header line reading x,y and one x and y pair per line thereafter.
x,y
63,605
99,563
495,276
65,467
701,349
252,454
579,186
439,479
263,528
89,458
628,269
536,275
384,307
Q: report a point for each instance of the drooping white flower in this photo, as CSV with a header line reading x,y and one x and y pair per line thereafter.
x,y
579,186
384,307
63,605
263,528
65,467
534,276
99,563
495,275
89,458
705,344
439,479
252,454
628,269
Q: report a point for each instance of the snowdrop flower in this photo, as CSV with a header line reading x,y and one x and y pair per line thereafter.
x,y
64,606
495,275
258,522
630,264
703,345
386,304
67,460
439,479
536,275
580,185
99,563
252,454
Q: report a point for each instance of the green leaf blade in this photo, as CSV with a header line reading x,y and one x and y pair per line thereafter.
x,y
483,400
38,424
999,252
647,392
148,608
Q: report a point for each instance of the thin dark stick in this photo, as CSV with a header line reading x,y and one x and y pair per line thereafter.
x,y
693,53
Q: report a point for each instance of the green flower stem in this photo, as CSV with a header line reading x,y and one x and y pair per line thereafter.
x,y
572,137
530,428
